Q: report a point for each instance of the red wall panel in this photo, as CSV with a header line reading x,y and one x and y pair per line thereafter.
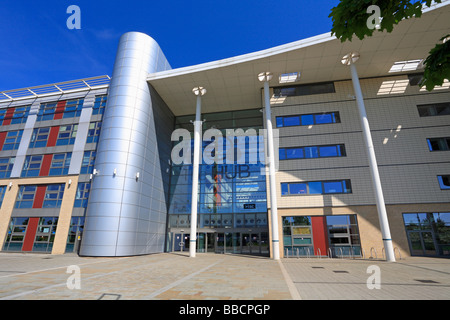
x,y
39,197
8,116
59,110
45,166
53,136
320,235
30,235
2,139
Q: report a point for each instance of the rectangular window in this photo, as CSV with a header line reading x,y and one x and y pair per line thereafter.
x,y
25,197
46,111
87,166
444,182
32,166
53,196
60,164
6,165
316,187
308,119
12,140
326,151
20,114
73,108
434,109
66,135
303,90
39,138
82,196
93,132
99,105
438,144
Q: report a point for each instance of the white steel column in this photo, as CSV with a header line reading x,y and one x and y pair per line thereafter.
x,y
266,77
350,60
199,92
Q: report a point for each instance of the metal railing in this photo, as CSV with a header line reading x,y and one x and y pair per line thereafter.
x,y
350,252
55,88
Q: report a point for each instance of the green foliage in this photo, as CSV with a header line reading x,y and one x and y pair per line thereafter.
x,y
350,18
437,65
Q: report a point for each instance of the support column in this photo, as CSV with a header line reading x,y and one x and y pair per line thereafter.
x,y
199,92
266,77
350,60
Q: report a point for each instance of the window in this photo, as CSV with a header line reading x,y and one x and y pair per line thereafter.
x,y
45,234
326,151
39,138
12,140
444,182
438,144
308,119
60,164
75,231
303,90
93,132
25,197
16,234
53,196
32,166
66,135
69,109
343,235
73,108
428,233
6,165
409,65
434,109
82,196
46,111
316,187
87,166
20,114
99,105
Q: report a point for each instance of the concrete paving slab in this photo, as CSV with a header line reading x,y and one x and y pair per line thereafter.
x,y
170,276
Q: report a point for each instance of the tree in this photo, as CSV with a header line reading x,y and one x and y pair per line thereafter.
x,y
350,17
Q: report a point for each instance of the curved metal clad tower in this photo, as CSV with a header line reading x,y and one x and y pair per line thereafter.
x,y
126,213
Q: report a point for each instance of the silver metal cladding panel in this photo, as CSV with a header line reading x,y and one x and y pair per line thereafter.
x,y
120,220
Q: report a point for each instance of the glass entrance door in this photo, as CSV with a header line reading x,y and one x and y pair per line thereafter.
x,y
250,243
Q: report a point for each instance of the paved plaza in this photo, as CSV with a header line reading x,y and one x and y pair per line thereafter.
x,y
171,276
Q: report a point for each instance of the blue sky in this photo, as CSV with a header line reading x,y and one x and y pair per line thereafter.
x,y
38,48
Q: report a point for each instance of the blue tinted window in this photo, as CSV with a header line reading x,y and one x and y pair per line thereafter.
x,y
307,119
315,187
333,187
282,153
284,188
329,151
291,121
324,118
279,122
311,152
294,153
297,188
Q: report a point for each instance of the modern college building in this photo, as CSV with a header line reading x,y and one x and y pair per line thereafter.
x,y
87,166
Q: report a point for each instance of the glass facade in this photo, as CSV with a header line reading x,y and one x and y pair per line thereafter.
x,y
428,233
232,196
302,236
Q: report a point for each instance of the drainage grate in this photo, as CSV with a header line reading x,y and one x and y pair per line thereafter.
x,y
317,267
340,271
425,281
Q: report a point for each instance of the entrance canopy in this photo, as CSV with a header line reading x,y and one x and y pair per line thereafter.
x,y
232,83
